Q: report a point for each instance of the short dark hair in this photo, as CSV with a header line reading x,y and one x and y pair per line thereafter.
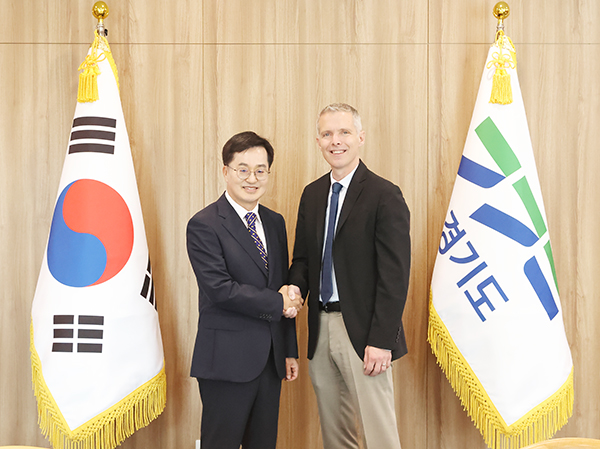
x,y
244,141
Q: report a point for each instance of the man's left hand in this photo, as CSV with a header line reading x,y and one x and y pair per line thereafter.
x,y
376,360
291,369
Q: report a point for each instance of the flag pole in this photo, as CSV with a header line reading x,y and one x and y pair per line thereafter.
x,y
100,11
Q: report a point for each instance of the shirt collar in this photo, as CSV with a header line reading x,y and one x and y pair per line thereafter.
x,y
345,182
240,210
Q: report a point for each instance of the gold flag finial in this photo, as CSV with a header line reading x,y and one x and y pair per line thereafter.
x,y
100,11
501,12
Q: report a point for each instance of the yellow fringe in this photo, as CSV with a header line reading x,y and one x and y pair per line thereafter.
x,y
108,429
539,424
501,88
87,91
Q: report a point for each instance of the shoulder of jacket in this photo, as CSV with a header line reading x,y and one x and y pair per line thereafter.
x,y
207,211
318,183
264,211
381,183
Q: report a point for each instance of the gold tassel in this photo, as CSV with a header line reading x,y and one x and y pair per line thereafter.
x,y
501,87
88,83
88,78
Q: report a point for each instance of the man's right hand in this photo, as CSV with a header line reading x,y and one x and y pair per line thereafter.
x,y
294,292
291,300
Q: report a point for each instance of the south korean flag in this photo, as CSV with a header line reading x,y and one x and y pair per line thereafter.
x,y
96,348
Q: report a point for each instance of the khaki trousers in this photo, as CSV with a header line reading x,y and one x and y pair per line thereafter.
x,y
356,411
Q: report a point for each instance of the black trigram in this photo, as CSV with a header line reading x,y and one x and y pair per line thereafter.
x,y
93,135
88,331
148,287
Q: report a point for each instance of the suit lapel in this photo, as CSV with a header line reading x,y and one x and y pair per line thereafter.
x,y
239,231
321,209
354,190
272,245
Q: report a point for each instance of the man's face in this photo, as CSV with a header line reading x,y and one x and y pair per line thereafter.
x,y
247,192
339,142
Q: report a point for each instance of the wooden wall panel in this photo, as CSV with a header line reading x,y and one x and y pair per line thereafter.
x,y
311,21
563,107
194,73
454,76
35,81
161,90
299,82
129,21
530,21
165,129
559,105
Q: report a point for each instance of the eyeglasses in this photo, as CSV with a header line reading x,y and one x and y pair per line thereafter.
x,y
243,173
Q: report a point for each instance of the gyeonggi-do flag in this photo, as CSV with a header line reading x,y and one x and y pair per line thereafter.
x,y
96,348
495,320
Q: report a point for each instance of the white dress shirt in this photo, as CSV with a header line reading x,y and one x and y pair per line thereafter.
x,y
345,182
241,211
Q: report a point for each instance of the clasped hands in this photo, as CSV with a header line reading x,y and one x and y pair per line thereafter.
x,y
292,300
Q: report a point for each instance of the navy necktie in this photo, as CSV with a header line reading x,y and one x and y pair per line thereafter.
x,y
251,219
326,270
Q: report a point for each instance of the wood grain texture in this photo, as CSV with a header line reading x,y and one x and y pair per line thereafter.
x,y
33,110
194,73
161,92
310,21
530,21
562,140
454,76
300,81
129,21
566,443
565,135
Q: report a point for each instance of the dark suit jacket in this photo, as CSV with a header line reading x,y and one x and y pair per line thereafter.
x,y
371,258
239,306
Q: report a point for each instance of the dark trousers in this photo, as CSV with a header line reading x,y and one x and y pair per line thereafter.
x,y
243,413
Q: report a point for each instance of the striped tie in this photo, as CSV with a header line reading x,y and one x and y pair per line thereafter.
x,y
251,219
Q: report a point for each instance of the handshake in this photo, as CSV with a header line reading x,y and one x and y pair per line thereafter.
x,y
292,300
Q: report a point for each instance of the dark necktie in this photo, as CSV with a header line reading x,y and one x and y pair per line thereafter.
x,y
326,270
251,219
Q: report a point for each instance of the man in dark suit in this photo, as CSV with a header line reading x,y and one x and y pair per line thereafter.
x,y
352,258
244,345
